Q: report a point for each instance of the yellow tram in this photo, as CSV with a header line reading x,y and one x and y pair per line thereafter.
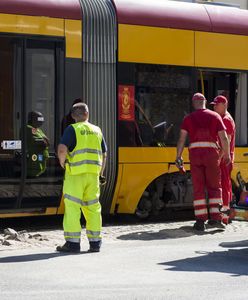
x,y
136,63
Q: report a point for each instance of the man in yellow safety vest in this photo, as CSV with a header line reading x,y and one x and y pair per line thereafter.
x,y
82,153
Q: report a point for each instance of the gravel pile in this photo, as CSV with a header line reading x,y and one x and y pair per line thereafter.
x,y
11,237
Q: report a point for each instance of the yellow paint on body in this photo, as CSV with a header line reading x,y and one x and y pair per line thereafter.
x,y
167,46
71,29
49,211
155,45
73,34
217,50
31,25
61,207
138,167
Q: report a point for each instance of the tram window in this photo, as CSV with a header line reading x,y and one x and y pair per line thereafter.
x,y
219,83
41,90
233,85
163,94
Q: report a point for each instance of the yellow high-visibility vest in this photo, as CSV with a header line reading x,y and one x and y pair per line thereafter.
x,y
86,157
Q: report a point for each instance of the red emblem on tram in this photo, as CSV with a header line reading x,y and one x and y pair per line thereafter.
x,y
126,102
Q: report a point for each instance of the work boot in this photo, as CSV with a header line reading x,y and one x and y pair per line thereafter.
x,y
199,225
69,247
216,224
95,246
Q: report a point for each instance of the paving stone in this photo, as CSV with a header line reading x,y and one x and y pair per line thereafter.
x,y
10,231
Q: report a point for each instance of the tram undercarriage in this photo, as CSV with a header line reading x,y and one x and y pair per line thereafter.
x,y
172,191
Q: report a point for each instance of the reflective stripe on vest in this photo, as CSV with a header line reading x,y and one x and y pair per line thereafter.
x,y
86,157
86,150
203,145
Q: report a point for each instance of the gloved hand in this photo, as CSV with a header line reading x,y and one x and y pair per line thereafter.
x,y
179,165
102,180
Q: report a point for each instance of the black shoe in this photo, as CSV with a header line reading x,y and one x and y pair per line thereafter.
x,y
69,247
95,246
199,225
94,249
216,224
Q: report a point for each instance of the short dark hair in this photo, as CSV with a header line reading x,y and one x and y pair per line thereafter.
x,y
79,109
77,100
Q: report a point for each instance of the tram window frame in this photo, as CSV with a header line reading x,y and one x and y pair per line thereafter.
x,y
43,90
218,82
60,60
57,45
19,116
236,94
129,136
241,110
157,132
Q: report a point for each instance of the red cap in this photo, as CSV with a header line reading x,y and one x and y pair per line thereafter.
x,y
219,99
198,96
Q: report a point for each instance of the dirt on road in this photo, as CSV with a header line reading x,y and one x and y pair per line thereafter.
x,y
41,237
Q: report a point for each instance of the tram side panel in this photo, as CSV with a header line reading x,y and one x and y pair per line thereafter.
x,y
151,79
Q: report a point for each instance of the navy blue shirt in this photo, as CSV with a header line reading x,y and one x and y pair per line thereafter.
x,y
69,139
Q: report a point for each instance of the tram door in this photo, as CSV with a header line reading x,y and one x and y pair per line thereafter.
x,y
30,81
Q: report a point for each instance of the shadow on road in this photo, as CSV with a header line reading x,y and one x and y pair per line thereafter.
x,y
174,233
231,261
34,257
237,244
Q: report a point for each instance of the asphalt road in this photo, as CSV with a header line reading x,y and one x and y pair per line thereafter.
x,y
161,261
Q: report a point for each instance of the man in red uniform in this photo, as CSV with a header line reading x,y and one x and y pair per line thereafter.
x,y
204,127
220,106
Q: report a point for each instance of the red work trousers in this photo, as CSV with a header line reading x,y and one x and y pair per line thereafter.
x,y
206,179
226,185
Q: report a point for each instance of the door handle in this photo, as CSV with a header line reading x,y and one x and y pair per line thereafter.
x,y
245,154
